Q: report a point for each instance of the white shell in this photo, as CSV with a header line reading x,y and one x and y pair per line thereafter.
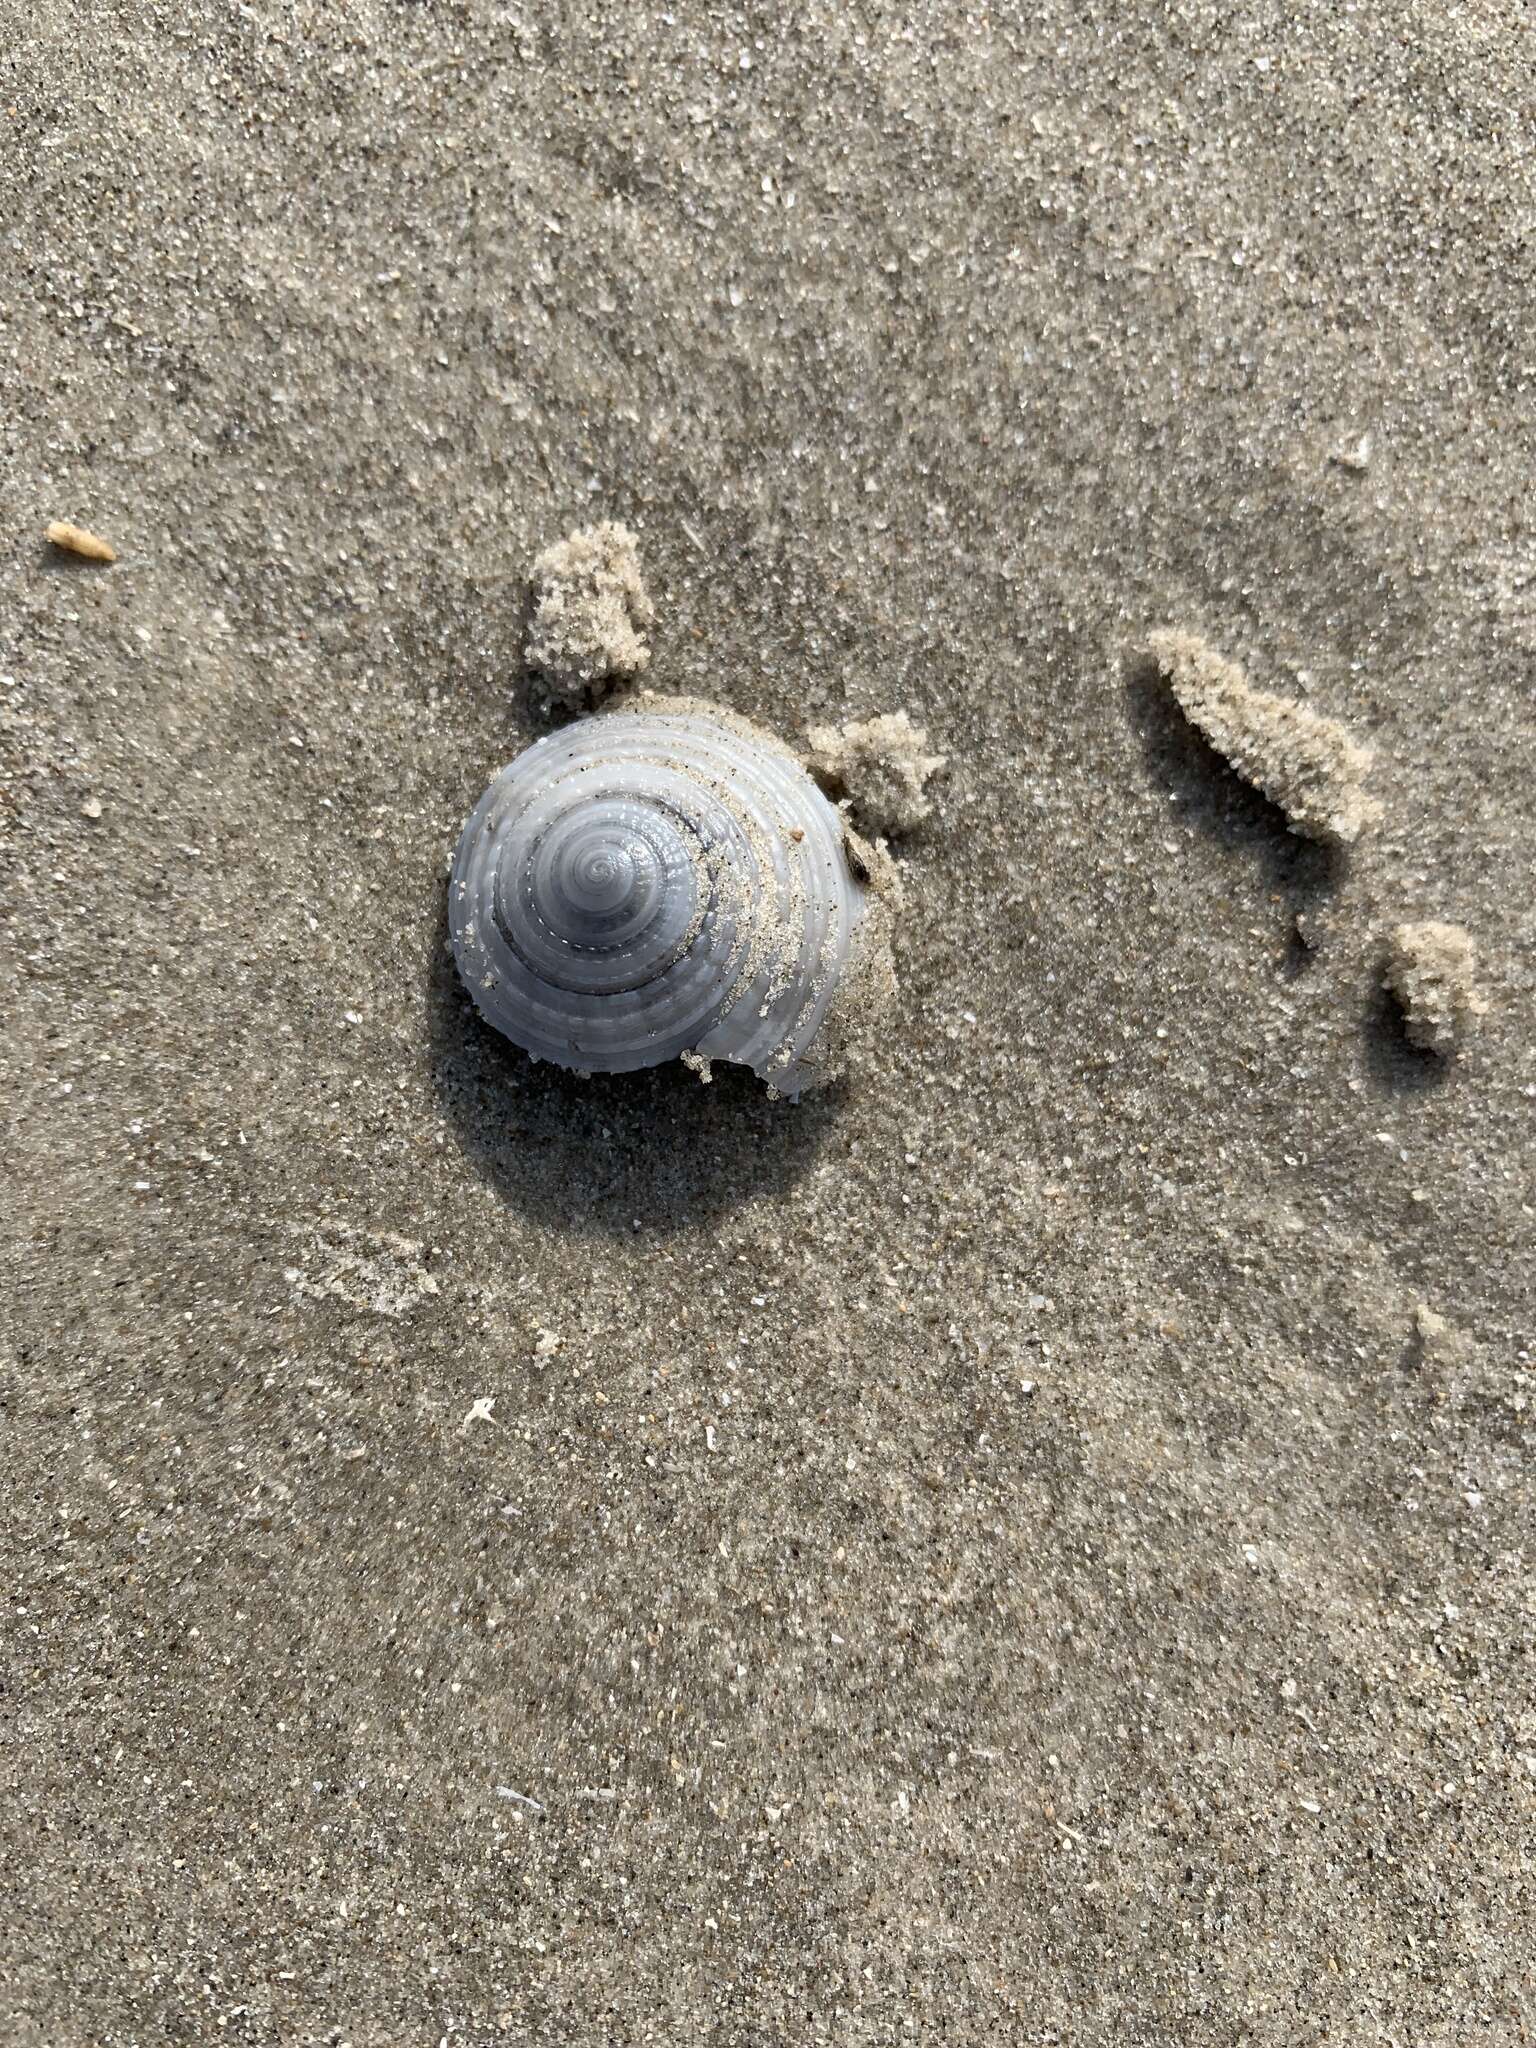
x,y
648,883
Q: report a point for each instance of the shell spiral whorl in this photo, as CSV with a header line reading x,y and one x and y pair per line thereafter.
x,y
647,883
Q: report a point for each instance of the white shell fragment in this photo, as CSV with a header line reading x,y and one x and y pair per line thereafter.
x,y
646,883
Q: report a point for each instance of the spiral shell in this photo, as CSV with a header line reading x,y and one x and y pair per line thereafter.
x,y
653,882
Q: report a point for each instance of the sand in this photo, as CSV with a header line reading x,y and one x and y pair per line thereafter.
x,y
988,1557
1306,764
590,613
880,767
1431,968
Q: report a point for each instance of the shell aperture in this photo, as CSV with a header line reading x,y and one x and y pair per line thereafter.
x,y
645,883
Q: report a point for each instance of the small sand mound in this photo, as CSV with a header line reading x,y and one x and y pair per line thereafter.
x,y
590,610
880,766
1305,763
1431,969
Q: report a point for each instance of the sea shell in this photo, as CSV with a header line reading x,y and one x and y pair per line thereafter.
x,y
657,881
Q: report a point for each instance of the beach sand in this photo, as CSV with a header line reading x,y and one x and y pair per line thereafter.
x,y
1033,1549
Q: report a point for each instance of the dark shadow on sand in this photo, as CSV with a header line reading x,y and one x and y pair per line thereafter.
x,y
1392,1064
658,1149
55,561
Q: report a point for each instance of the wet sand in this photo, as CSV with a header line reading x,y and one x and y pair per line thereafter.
x,y
1035,1548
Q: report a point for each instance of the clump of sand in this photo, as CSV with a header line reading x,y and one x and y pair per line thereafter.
x,y
1307,764
1436,1341
590,611
1431,968
881,767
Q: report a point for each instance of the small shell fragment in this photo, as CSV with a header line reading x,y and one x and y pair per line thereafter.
x,y
1355,455
75,540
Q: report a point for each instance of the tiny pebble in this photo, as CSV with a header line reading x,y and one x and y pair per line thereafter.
x,y
75,540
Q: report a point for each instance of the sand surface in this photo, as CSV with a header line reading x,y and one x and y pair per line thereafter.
x,y
1036,1551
